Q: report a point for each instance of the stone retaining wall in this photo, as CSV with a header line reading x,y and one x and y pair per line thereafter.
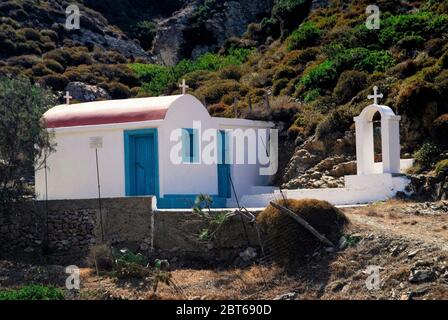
x,y
75,225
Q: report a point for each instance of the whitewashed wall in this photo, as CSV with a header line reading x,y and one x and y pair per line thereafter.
x,y
72,169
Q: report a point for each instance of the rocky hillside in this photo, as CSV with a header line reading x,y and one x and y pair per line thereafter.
x,y
34,42
306,64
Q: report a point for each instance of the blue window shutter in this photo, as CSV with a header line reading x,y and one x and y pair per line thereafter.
x,y
195,138
190,145
185,146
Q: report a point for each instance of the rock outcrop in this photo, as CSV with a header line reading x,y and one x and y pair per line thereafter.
x,y
184,35
83,92
307,170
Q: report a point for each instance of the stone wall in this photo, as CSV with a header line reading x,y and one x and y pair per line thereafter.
x,y
75,225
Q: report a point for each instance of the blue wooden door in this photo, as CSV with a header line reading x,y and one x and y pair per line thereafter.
x,y
142,168
223,165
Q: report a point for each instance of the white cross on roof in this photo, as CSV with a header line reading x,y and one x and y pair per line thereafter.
x,y
68,97
375,95
184,86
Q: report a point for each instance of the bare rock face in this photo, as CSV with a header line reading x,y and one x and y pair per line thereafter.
x,y
301,161
344,169
83,92
182,36
307,170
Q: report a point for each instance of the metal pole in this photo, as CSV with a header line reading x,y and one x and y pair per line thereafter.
x,y
99,194
46,206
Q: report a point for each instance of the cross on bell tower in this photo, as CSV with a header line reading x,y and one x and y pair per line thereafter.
x,y
184,86
375,95
68,97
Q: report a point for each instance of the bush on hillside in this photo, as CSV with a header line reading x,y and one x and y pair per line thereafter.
x,y
286,241
335,124
349,84
305,36
321,76
56,82
426,155
362,59
117,90
301,57
289,13
213,91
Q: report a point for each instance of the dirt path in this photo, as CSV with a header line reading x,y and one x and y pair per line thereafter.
x,y
414,222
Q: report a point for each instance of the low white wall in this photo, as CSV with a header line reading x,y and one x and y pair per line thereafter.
x,y
359,190
405,164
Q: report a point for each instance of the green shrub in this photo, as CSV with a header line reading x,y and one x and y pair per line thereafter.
x,y
441,167
411,42
144,31
312,95
349,84
156,79
129,265
33,292
304,36
426,155
290,13
362,59
321,76
423,24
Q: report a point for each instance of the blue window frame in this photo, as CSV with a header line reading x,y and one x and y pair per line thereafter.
x,y
190,145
